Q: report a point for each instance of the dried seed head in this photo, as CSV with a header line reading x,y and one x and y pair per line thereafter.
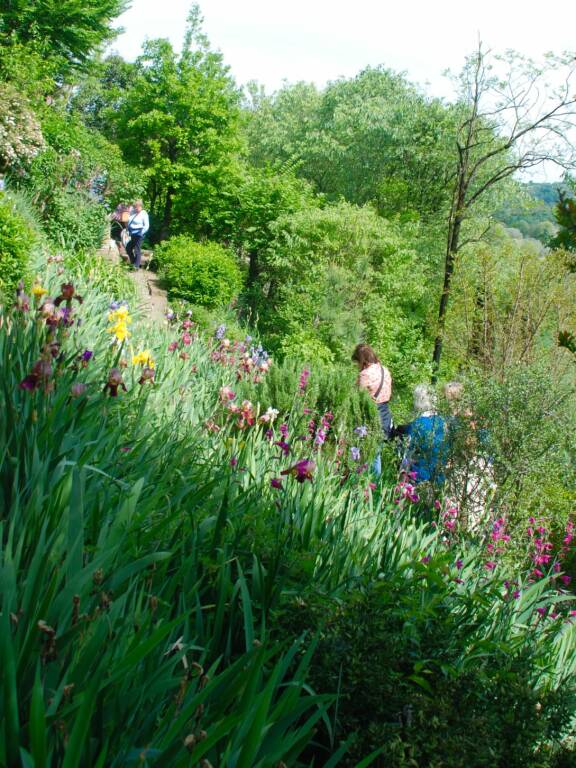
x,y
98,576
202,735
189,742
43,627
153,603
204,680
205,764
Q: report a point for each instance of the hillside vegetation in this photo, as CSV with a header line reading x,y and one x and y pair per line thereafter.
x,y
199,564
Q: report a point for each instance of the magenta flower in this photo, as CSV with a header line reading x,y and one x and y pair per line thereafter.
x,y
301,471
284,446
186,339
173,346
303,382
490,565
276,482
459,565
565,579
283,428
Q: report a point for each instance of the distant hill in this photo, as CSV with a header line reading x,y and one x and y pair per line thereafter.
x,y
532,211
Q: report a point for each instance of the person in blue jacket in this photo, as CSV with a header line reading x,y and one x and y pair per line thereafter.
x,y
427,446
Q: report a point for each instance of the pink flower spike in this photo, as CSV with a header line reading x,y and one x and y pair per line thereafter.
x,y
437,505
566,579
276,482
490,565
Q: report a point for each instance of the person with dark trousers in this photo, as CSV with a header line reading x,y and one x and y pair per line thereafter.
x,y
138,225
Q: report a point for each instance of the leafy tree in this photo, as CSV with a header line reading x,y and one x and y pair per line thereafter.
x,y
371,138
262,197
69,30
178,123
335,275
509,123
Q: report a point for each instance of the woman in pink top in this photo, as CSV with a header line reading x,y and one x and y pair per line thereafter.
x,y
375,378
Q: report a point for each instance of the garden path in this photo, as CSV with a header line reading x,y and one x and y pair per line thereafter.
x,y
151,298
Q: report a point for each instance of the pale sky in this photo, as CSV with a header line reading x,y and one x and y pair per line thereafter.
x,y
321,40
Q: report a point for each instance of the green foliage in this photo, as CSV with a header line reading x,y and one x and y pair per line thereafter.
x,y
393,652
18,241
66,30
371,138
565,213
79,159
74,221
201,273
340,274
178,124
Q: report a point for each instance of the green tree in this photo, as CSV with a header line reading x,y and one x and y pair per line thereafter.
x,y
69,30
335,275
510,121
374,138
565,214
178,123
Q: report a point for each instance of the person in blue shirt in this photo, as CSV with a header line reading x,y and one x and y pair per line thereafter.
x,y
426,451
138,225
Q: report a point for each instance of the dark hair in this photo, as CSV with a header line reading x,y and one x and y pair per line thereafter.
x,y
364,355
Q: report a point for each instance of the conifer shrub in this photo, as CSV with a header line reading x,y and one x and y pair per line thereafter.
x,y
205,274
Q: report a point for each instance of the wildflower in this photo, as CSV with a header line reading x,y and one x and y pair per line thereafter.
x,y
184,356
114,382
269,434
147,375
143,358
565,579
355,453
301,471
226,394
68,292
276,482
361,431
516,594
77,389
437,505
283,430
38,291
41,372
170,315
233,462
220,331
490,565
459,565
320,438
120,319
303,382
284,446
211,426
269,416
187,324
426,559
186,339
85,357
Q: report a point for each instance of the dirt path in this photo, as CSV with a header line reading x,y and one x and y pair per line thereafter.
x,y
152,300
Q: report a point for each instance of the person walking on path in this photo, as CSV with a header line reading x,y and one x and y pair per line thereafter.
x,y
118,220
138,225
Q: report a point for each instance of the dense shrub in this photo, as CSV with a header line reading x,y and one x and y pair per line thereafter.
x,y
424,677
74,221
202,273
17,240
